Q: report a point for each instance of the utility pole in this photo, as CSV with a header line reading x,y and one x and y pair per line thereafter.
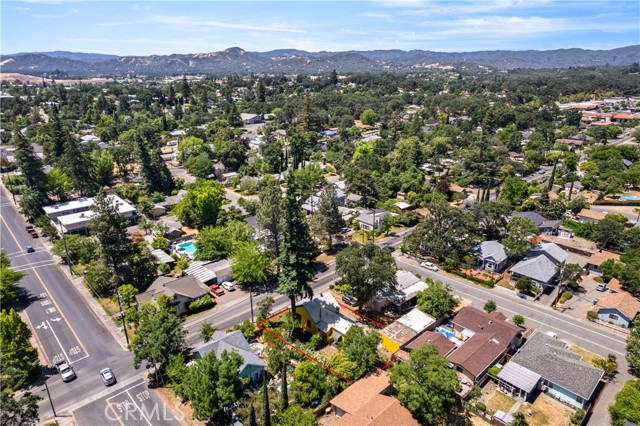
x,y
251,300
66,250
49,396
122,315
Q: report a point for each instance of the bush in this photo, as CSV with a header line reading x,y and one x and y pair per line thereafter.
x,y
566,295
201,304
577,417
480,406
592,315
164,268
494,371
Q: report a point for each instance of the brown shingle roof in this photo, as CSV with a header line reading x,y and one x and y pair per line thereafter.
x,y
614,284
623,302
492,337
443,344
381,410
597,259
358,394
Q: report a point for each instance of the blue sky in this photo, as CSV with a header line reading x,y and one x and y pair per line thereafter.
x,y
164,27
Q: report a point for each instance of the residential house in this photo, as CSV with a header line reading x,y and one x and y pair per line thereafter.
x,y
322,314
577,187
490,255
554,227
370,220
182,291
545,363
366,403
405,329
532,216
597,259
311,203
619,308
540,265
87,139
403,296
252,118
483,340
353,199
587,215
252,366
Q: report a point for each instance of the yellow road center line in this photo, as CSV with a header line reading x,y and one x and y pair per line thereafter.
x,y
60,310
114,412
10,232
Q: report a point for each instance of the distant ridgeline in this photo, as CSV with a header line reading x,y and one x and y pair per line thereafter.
x,y
288,61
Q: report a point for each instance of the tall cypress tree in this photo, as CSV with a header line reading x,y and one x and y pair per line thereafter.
x,y
55,140
298,249
284,391
266,411
269,215
77,164
30,164
110,230
156,175
252,416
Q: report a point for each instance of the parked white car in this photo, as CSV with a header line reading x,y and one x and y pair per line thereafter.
x,y
228,286
429,265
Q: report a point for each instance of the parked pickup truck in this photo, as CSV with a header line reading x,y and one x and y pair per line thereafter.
x,y
66,371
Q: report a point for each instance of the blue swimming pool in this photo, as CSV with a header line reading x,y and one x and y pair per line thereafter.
x,y
630,197
445,333
189,247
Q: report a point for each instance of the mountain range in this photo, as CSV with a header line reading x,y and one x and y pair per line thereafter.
x,y
288,61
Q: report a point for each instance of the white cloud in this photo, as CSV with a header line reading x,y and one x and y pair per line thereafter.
x,y
75,11
186,22
44,16
378,15
137,7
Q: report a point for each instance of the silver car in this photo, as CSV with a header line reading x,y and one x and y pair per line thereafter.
x,y
107,376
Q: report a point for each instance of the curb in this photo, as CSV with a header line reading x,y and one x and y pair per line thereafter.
x,y
77,283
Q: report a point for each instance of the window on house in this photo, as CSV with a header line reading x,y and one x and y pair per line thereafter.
x,y
613,317
308,324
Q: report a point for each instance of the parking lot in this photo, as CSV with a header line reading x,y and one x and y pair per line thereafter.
x,y
133,406
582,301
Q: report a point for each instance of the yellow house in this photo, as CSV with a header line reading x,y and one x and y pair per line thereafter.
x,y
405,329
322,314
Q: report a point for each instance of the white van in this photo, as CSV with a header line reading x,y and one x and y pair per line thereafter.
x,y
552,334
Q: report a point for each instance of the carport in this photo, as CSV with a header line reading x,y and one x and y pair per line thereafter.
x,y
517,380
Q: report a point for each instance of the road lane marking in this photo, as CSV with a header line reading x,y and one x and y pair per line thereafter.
x,y
59,344
64,317
40,264
113,410
10,232
139,409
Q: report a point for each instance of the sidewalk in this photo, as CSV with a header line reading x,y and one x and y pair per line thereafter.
x,y
84,293
95,306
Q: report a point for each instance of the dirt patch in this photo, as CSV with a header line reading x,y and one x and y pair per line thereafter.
x,y
546,412
172,400
477,421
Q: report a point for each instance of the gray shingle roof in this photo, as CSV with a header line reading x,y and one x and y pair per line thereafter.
x,y
538,268
491,250
551,250
549,358
532,216
231,342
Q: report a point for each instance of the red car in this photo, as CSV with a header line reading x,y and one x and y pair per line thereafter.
x,y
216,289
34,234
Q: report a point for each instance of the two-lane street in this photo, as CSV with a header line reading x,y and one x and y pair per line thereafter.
x,y
64,327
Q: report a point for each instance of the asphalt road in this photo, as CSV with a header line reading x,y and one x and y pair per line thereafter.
x,y
543,318
64,327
